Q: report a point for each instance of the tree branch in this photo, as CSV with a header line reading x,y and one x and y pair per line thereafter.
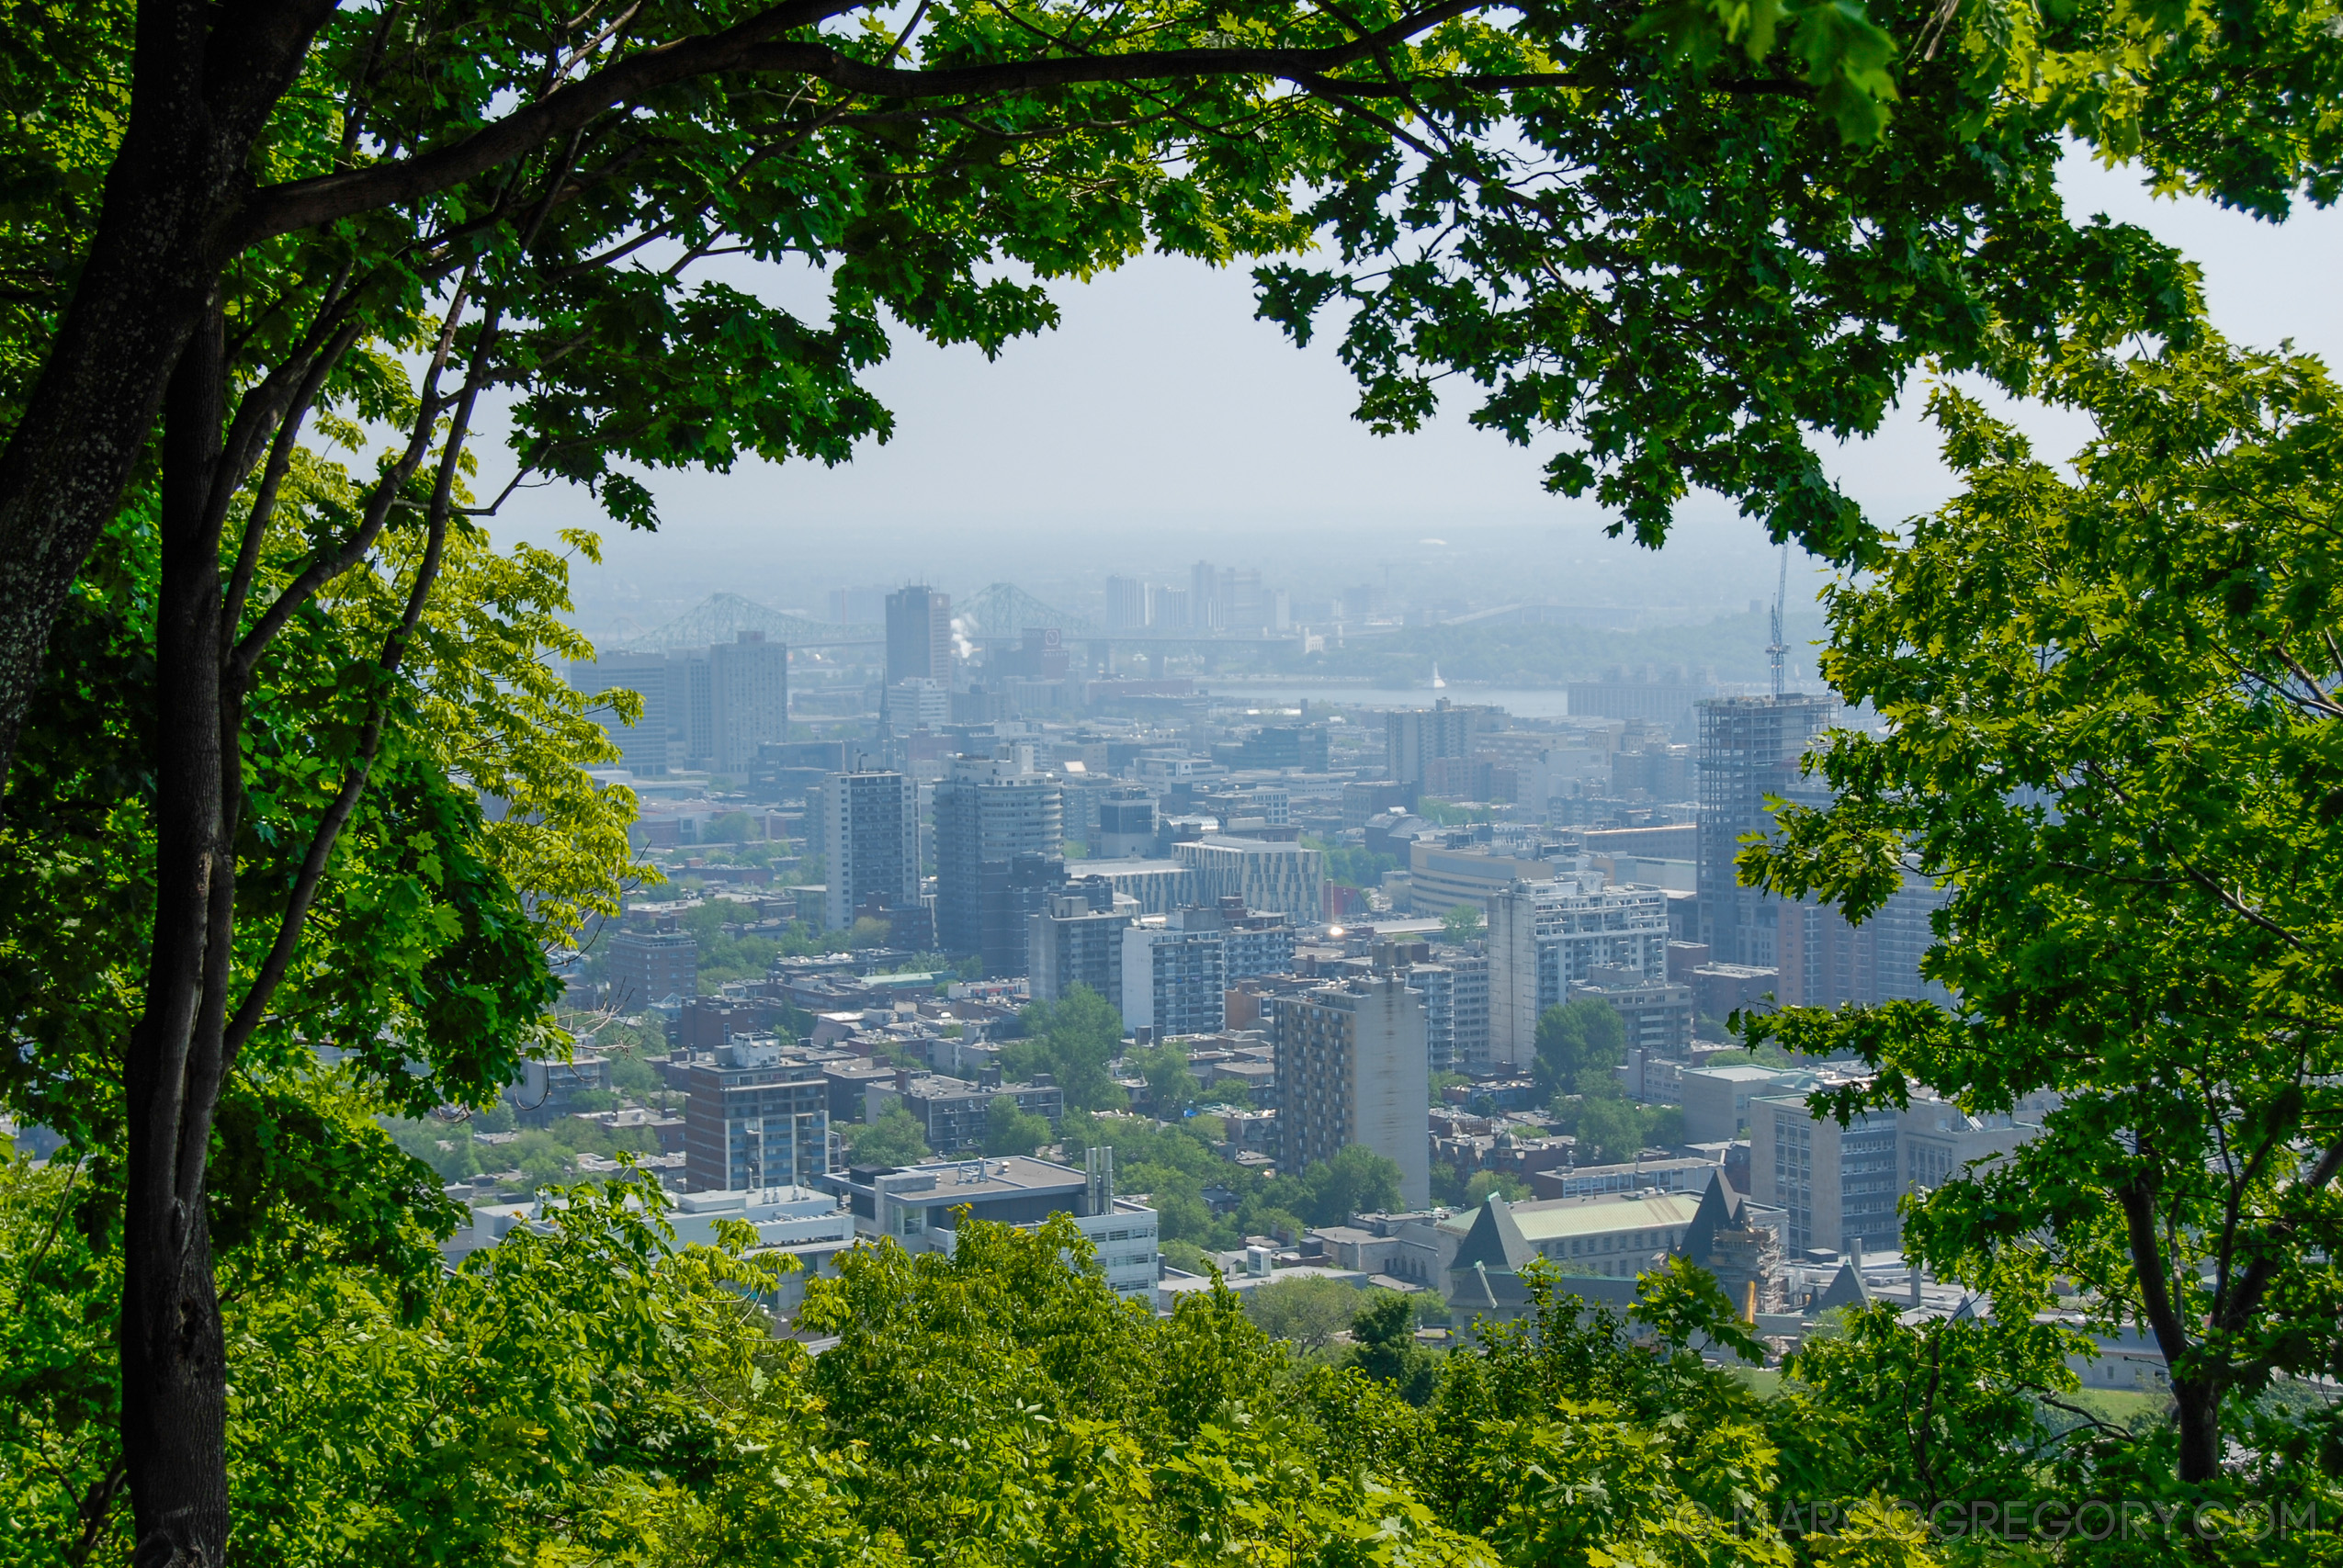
x,y
756,45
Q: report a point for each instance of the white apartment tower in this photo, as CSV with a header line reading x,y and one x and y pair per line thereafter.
x,y
1546,936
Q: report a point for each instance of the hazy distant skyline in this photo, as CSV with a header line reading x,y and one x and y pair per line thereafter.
x,y
1161,423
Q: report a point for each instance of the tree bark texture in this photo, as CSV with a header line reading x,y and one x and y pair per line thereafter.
x,y
172,1354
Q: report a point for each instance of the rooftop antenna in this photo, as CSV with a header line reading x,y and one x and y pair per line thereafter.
x,y
1777,651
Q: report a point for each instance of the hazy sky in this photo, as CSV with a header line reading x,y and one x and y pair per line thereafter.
x,y
1161,423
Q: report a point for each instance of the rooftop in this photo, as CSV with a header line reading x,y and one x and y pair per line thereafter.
x,y
1560,1219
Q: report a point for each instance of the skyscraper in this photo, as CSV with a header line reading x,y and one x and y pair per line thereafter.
x,y
690,710
1000,830
1126,605
747,683
643,745
1351,1069
1175,976
871,828
918,635
1749,748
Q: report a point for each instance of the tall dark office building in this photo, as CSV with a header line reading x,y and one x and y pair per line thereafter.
x,y
1749,748
918,635
871,835
999,838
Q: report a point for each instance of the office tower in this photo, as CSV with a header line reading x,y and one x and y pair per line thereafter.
x,y
1240,601
1838,1184
643,745
1207,609
1413,737
1352,1066
1357,603
1545,937
871,828
755,1117
916,704
1078,940
1285,877
1125,824
650,967
1175,976
1126,605
918,635
748,683
690,710
1749,748
999,830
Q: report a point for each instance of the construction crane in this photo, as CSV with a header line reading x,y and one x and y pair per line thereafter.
x,y
1777,651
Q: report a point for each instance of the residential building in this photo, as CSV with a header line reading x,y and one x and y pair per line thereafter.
x,y
871,835
650,967
1414,736
918,635
920,1206
1294,748
954,1114
1175,976
1545,937
999,830
1436,983
1259,942
1352,1066
1656,1013
748,683
1750,749
1078,940
642,745
1285,877
755,1115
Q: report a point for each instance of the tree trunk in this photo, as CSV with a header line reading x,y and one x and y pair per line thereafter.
x,y
174,1366
2198,1401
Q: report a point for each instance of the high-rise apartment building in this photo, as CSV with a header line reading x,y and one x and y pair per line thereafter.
x,y
650,967
999,834
1352,1066
918,635
643,745
1126,605
1545,937
1077,941
756,1116
871,829
1175,976
1749,748
748,699
1414,738
1259,942
1655,1012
